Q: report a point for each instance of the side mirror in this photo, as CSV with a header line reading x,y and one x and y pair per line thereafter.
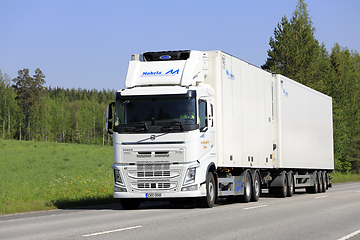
x,y
109,117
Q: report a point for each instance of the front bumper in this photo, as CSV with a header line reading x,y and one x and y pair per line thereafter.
x,y
168,183
151,195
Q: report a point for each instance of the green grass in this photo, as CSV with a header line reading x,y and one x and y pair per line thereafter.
x,y
42,175
341,178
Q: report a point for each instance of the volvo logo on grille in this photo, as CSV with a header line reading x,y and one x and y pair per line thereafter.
x,y
152,137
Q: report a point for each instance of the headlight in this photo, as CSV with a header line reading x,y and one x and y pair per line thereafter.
x,y
190,175
117,176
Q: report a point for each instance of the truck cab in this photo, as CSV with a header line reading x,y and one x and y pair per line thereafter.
x,y
163,129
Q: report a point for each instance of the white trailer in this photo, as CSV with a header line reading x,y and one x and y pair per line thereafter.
x,y
207,125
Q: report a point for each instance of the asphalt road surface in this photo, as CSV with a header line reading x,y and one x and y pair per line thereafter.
x,y
331,215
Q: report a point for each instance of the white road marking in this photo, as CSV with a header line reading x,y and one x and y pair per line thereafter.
x,y
350,235
111,231
260,206
321,197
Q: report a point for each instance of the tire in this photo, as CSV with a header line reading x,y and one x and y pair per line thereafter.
x,y
281,192
290,186
314,189
130,203
327,181
247,191
209,200
324,181
256,190
320,182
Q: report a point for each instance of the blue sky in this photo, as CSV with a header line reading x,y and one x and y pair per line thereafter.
x,y
87,44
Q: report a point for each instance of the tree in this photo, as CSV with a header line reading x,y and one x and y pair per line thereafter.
x,y
294,51
8,107
345,92
28,91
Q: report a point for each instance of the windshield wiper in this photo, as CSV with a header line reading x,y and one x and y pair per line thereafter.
x,y
141,128
174,126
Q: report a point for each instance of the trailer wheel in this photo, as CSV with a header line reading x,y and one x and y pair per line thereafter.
x,y
290,187
320,182
314,189
130,203
209,200
247,191
324,182
256,188
327,180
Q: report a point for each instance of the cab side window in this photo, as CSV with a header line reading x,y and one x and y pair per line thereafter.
x,y
211,115
203,115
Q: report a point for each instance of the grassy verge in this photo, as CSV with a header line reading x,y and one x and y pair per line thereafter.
x,y
341,178
41,175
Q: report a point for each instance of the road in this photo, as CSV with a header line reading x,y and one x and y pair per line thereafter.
x,y
331,215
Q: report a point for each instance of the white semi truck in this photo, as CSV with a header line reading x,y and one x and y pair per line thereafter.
x,y
206,125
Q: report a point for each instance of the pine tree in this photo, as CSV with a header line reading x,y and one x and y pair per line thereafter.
x,y
294,51
28,91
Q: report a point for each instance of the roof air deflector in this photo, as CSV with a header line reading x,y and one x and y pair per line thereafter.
x,y
166,55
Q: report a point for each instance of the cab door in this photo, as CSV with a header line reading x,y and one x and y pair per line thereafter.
x,y
207,125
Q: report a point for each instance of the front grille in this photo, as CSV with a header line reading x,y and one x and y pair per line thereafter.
x,y
154,156
153,167
157,185
163,185
154,174
155,170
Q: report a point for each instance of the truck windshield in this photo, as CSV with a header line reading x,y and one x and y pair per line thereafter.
x,y
155,114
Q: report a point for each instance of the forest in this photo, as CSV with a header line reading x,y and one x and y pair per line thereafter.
x,y
31,112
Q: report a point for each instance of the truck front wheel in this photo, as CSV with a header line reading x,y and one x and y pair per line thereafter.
x,y
209,200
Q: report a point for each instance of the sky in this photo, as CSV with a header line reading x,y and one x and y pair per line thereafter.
x,y
87,44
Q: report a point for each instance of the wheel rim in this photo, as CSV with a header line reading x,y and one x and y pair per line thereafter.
x,y
248,186
211,191
257,187
320,183
326,181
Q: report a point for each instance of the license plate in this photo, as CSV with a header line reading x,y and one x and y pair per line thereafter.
x,y
153,195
